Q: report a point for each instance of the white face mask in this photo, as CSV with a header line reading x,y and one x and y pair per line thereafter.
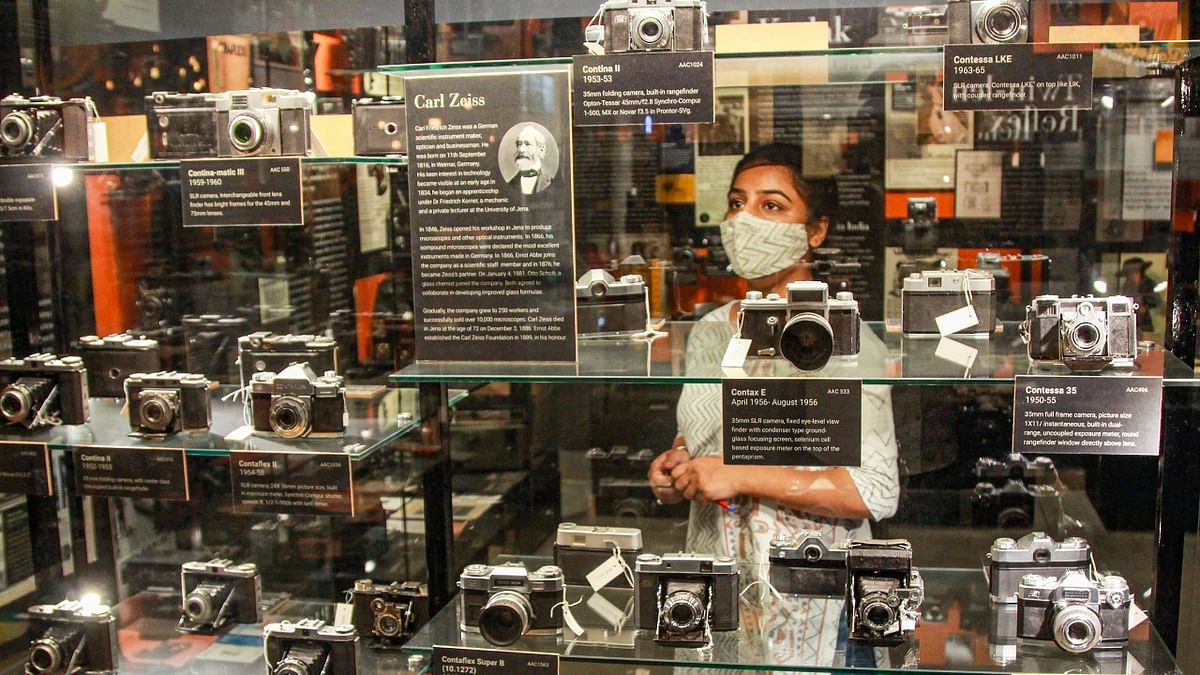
x,y
758,247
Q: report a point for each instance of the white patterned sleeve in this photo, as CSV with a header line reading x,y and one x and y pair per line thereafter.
x,y
878,479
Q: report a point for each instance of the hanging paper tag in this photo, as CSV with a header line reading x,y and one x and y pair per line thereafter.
x,y
956,352
1136,616
735,354
343,614
960,319
607,611
570,620
605,572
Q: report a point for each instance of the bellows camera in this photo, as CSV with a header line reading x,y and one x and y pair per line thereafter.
x,y
379,126
266,352
263,122
807,328
682,597
75,638
297,402
650,25
218,592
1010,560
579,549
931,294
111,359
309,647
181,126
389,613
46,127
1083,333
43,389
1074,611
987,21
607,306
883,590
505,602
166,402
805,565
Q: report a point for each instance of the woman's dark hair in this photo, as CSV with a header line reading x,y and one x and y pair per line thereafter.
x,y
814,193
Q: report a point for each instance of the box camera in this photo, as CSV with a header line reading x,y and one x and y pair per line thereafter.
x,y
297,403
211,344
181,126
883,590
309,647
650,25
805,565
46,127
379,126
807,328
987,21
218,592
75,638
1010,560
607,306
505,602
1016,505
579,549
166,402
684,596
266,352
1037,471
930,294
1073,611
1083,333
389,613
111,359
263,122
43,389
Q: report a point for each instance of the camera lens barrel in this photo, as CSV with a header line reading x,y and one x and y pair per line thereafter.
x,y
1002,22
246,132
807,341
16,130
877,614
683,611
290,417
1076,629
204,601
505,618
19,399
158,411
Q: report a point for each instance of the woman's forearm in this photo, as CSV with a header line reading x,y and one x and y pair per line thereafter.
x,y
827,492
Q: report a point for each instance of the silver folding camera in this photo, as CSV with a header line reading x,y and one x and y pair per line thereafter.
x,y
46,127
267,352
505,602
807,328
682,597
42,390
883,591
804,564
1083,333
1010,560
651,25
309,647
263,122
579,549
166,402
111,359
608,306
74,639
296,402
218,592
1074,611
987,21
379,126
932,293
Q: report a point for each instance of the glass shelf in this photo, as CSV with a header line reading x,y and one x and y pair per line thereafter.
x,y
148,165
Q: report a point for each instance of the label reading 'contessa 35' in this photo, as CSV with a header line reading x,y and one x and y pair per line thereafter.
x,y
1087,415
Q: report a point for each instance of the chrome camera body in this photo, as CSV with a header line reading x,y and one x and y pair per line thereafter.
x,y
505,602
296,403
74,638
1085,334
218,592
807,327
883,591
1074,611
683,597
263,122
803,564
651,25
167,402
309,647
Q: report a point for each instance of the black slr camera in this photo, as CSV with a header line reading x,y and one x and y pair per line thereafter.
x,y
650,25
987,21
682,597
309,647
266,352
579,549
111,359
1016,505
805,565
379,126
297,402
620,486
1074,611
1083,333
609,307
807,328
167,402
46,127
389,613
929,294
211,344
218,592
883,591
263,122
1010,560
43,389
506,602
74,638
181,126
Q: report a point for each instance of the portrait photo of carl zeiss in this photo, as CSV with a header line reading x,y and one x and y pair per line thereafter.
x,y
528,157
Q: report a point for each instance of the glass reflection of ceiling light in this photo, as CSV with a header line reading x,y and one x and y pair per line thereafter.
x,y
62,176
1168,101
1100,285
1160,287
1106,101
369,566
945,179
90,600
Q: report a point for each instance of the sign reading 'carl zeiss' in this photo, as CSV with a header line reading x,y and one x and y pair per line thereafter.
x,y
1016,76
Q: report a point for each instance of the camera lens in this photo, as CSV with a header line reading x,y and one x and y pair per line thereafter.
x,y
812,553
683,611
289,417
1086,337
14,404
505,618
158,410
651,31
632,508
878,615
16,130
1013,517
246,133
1002,22
46,656
807,341
198,608
203,603
1076,629
387,624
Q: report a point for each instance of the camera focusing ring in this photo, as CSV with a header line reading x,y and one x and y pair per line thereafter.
x,y
1076,629
807,341
878,614
505,618
290,417
247,133
46,656
15,403
1086,336
16,130
683,612
388,622
1002,22
159,410
651,29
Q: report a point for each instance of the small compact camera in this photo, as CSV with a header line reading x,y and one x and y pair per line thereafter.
x,y
804,564
506,602
930,294
883,591
219,592
650,25
1074,611
309,647
266,352
1015,505
181,126
379,126
1011,559
682,597
211,344
389,613
263,122
609,307
1037,471
74,638
1083,333
42,390
296,402
111,359
167,402
46,127
921,226
987,22
807,328
579,549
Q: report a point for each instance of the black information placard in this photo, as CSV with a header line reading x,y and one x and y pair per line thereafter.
x,y
1087,415
631,88
25,469
491,211
465,661
27,192
1016,76
792,422
140,473
252,191
292,482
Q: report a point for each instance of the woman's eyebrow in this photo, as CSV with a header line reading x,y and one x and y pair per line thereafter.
x,y
781,193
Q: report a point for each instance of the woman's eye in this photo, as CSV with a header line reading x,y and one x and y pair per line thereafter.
x,y
772,206
736,204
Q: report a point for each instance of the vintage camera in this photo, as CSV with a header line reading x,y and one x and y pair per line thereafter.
x,y
266,352
75,638
804,564
987,21
607,306
46,127
620,486
807,328
379,128
1073,611
211,344
218,592
309,647
1010,560
390,613
650,25
1037,471
505,602
926,26
181,126
920,227
579,549
883,590
297,403
1015,505
263,122
684,596
930,294
166,402
111,359
43,389
1084,333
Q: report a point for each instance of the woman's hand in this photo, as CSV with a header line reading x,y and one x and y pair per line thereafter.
x,y
705,479
660,473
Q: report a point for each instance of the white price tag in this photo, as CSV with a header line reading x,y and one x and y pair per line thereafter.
x,y
570,620
956,352
735,354
343,614
960,319
607,611
605,572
